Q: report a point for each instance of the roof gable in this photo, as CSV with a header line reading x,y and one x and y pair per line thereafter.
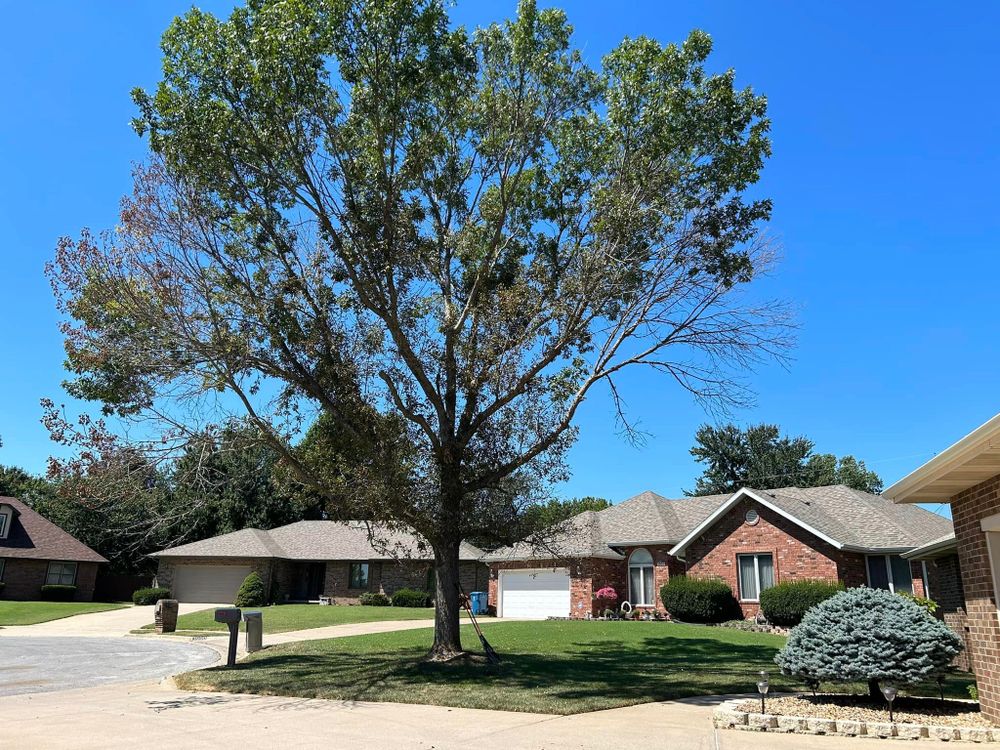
x,y
841,516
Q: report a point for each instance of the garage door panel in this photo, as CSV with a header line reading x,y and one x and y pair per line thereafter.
x,y
213,584
535,594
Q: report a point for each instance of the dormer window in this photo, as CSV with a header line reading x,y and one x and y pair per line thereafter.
x,y
6,515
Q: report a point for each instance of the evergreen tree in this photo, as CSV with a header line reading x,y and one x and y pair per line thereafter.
x,y
868,635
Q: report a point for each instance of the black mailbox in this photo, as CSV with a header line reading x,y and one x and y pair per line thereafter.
x,y
228,614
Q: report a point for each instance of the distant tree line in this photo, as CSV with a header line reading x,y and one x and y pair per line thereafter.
x,y
760,456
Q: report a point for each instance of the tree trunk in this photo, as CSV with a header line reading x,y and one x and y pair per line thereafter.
x,y
447,612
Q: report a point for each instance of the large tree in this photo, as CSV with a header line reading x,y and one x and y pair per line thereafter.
x,y
760,456
440,240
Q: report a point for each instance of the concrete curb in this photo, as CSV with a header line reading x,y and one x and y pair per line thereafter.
x,y
728,716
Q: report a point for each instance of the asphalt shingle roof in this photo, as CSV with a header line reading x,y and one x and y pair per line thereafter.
x,y
583,535
317,540
854,519
33,536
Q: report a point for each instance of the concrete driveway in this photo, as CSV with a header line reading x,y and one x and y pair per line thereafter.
x,y
109,718
110,624
43,664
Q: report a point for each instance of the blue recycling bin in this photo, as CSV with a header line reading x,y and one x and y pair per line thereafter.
x,y
478,602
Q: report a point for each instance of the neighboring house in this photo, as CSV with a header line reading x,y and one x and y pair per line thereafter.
x,y
34,552
308,559
967,475
751,539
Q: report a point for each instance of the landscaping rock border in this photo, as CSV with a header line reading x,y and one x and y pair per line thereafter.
x,y
728,716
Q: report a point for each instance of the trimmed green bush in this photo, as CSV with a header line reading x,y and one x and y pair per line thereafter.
x,y
411,598
58,592
868,635
374,599
150,595
251,592
787,603
699,600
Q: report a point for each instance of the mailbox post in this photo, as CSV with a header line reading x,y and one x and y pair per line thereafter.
x,y
231,616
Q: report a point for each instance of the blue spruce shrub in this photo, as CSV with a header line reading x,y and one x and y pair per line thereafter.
x,y
866,635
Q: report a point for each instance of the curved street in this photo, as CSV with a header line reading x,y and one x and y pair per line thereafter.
x,y
35,664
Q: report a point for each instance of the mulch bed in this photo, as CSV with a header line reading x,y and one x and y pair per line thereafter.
x,y
906,710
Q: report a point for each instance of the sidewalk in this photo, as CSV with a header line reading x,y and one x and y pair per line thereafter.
x,y
126,717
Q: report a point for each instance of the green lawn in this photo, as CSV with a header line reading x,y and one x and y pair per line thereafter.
x,y
29,613
548,667
284,617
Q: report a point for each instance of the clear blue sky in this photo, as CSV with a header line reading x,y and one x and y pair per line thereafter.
x,y
884,180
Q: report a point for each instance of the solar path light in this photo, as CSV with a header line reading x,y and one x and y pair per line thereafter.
x,y
889,692
762,687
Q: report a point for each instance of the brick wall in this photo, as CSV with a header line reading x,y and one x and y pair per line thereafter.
x,y
287,575
797,553
967,510
389,576
587,576
944,579
23,579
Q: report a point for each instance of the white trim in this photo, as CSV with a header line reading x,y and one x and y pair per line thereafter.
x,y
756,573
6,519
500,573
700,529
927,579
984,437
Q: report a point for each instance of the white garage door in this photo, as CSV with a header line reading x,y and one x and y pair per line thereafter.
x,y
534,594
216,584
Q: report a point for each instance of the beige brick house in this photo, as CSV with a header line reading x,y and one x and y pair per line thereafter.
x,y
751,539
306,560
967,475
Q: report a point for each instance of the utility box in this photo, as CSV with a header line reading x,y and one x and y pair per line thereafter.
x,y
255,630
165,615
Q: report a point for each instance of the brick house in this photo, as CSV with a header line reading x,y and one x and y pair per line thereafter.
x,y
967,475
751,539
306,560
34,552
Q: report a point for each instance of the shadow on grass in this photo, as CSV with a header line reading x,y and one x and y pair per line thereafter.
x,y
584,676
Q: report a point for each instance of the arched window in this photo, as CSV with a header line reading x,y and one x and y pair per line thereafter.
x,y
640,579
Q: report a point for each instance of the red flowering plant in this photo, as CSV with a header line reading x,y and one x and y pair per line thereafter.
x,y
607,597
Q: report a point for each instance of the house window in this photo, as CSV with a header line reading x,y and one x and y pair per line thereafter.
x,y
4,523
889,572
756,574
61,573
640,579
359,576
3,564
